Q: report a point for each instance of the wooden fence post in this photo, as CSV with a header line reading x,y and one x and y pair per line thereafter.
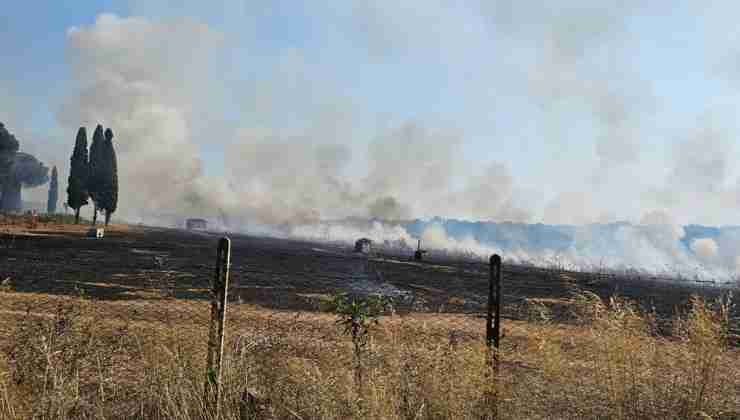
x,y
212,389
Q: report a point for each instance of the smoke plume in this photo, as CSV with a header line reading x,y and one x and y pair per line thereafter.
x,y
28,171
411,173
8,143
17,170
301,148
137,77
8,147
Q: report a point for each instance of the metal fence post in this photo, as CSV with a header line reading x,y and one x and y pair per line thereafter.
x,y
493,331
493,321
218,318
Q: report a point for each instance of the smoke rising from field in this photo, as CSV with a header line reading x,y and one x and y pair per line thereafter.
x,y
578,46
283,176
28,171
303,150
274,176
141,78
8,147
17,171
8,143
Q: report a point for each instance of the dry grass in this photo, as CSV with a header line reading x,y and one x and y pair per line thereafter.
x,y
86,359
50,223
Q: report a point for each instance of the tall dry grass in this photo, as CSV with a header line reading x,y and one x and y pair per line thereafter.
x,y
613,364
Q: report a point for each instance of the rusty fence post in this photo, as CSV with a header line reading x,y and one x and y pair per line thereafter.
x,y
212,389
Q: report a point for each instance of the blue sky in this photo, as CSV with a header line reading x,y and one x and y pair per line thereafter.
x,y
523,83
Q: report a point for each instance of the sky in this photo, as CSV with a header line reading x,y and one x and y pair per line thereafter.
x,y
276,111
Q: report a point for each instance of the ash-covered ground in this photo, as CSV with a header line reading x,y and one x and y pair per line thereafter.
x,y
151,264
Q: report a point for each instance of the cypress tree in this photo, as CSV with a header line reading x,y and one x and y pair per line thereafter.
x,y
96,179
77,192
51,206
108,194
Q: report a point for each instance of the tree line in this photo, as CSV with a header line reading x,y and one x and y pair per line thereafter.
x,y
93,175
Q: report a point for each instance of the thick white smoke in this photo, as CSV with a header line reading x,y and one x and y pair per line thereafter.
x,y
142,79
412,171
303,151
653,247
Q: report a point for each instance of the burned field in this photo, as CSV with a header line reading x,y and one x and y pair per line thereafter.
x,y
118,328
137,264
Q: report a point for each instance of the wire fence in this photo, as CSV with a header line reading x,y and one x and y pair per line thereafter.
x,y
145,275
141,300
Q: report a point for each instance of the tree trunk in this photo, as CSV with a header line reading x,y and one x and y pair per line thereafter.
x,y
95,213
107,217
77,216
